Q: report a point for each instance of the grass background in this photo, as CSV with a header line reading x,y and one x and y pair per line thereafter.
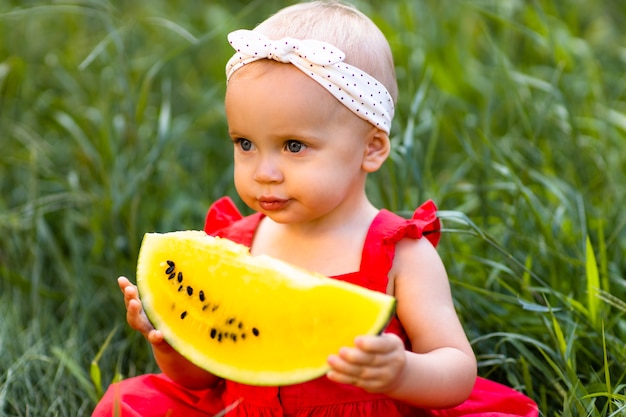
x,y
512,117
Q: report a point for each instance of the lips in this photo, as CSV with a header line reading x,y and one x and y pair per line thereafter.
x,y
272,203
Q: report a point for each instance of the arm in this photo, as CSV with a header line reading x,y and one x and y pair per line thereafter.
x,y
171,363
441,370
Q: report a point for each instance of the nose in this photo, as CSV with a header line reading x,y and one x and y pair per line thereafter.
x,y
268,170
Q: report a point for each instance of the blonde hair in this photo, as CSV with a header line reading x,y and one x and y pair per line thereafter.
x,y
343,26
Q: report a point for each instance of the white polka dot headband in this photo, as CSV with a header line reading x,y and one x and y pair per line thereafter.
x,y
357,90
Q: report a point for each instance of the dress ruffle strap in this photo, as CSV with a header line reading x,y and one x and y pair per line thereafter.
x,y
225,220
221,214
423,223
425,219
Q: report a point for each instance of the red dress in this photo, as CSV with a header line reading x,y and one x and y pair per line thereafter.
x,y
156,395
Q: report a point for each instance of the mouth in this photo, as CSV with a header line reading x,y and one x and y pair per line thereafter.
x,y
272,203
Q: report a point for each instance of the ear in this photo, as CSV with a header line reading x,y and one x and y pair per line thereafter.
x,y
376,151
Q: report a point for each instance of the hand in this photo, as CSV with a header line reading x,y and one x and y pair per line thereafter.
x,y
171,362
136,317
376,363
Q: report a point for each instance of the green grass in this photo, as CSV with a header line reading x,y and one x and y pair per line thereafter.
x,y
512,117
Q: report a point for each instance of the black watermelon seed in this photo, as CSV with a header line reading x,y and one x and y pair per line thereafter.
x,y
183,315
230,321
215,307
233,337
201,295
243,335
255,331
219,337
189,290
240,325
172,275
170,269
170,263
213,333
180,288
204,307
180,277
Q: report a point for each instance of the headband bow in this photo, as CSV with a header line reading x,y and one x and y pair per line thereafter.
x,y
323,62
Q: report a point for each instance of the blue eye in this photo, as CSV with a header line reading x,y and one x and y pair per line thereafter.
x,y
244,144
294,146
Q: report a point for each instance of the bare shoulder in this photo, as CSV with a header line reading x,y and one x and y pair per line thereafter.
x,y
416,260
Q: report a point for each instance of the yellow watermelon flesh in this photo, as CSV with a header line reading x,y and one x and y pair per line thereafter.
x,y
250,319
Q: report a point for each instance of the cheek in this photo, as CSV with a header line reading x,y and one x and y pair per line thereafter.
x,y
241,178
326,180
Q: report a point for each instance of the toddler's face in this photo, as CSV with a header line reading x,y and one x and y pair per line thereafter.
x,y
298,152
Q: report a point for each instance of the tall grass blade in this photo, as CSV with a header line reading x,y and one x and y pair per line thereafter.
x,y
593,284
175,28
94,368
607,372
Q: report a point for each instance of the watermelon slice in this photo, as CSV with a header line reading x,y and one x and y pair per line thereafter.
x,y
251,319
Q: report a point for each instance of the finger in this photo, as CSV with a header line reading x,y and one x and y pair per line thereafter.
x,y
348,367
364,377
375,356
356,356
123,282
383,343
155,337
373,385
127,289
342,371
360,358
341,378
131,293
136,317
